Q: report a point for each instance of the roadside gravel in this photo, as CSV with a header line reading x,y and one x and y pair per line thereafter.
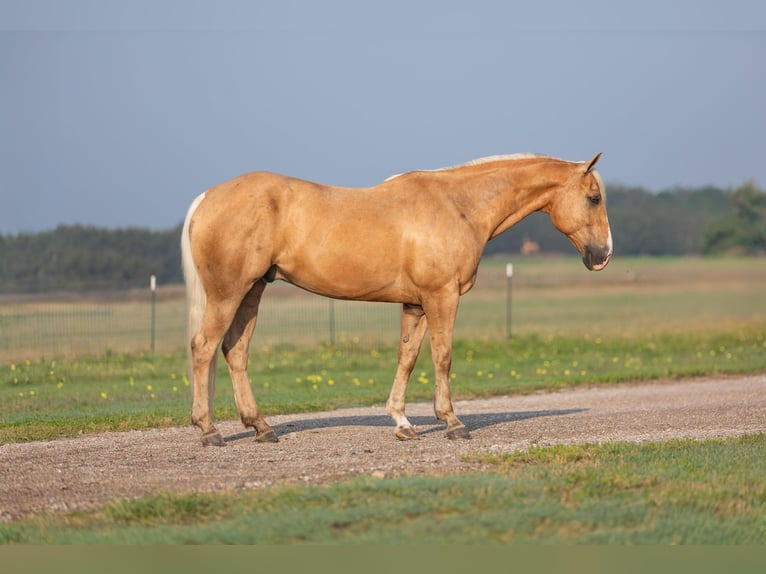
x,y
90,471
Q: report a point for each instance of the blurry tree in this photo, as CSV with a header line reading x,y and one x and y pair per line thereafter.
x,y
744,230
673,222
76,257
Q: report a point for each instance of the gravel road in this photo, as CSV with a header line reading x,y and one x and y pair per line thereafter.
x,y
87,472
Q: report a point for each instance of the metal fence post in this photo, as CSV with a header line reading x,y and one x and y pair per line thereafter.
x,y
509,276
332,322
153,287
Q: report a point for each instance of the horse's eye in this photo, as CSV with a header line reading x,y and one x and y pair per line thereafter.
x,y
594,199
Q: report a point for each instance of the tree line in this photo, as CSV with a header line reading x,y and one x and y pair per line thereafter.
x,y
85,258
698,221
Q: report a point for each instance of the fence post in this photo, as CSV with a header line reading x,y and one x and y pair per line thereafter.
x,y
509,276
332,322
153,287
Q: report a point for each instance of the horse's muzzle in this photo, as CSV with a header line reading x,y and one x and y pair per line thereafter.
x,y
596,258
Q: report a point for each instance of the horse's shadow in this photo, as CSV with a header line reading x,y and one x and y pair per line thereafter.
x,y
424,424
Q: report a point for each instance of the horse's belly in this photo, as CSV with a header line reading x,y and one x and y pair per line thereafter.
x,y
354,283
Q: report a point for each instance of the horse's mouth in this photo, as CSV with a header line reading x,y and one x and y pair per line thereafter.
x,y
596,260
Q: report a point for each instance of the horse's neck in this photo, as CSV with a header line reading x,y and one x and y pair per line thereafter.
x,y
505,195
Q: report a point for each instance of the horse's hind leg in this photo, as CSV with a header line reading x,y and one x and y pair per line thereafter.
x,y
413,330
235,347
204,346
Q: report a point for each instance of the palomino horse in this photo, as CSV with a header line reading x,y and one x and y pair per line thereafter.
x,y
415,239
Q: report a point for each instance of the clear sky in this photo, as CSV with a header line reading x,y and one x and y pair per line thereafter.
x,y
119,113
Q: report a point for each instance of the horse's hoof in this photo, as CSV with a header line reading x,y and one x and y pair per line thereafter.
x,y
267,436
458,433
213,438
407,433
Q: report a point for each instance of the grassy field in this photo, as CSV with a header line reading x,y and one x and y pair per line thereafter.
x,y
554,296
678,492
52,399
639,319
650,318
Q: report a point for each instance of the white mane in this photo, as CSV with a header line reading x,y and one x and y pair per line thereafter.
x,y
478,161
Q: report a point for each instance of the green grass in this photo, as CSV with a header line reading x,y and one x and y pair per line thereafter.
x,y
676,492
51,398
640,319
550,296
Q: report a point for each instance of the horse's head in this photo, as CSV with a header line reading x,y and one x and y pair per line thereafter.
x,y
578,210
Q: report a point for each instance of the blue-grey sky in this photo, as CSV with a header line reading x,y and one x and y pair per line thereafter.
x,y
119,113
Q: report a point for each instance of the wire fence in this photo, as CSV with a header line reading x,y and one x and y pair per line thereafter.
x,y
152,322
550,296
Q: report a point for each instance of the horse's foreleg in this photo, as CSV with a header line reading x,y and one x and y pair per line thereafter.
x,y
413,330
441,314
236,344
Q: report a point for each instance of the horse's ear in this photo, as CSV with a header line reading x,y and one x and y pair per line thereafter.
x,y
592,163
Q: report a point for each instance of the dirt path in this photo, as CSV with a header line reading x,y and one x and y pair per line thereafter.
x,y
87,472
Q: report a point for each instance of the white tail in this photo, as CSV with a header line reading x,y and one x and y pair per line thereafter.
x,y
195,297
